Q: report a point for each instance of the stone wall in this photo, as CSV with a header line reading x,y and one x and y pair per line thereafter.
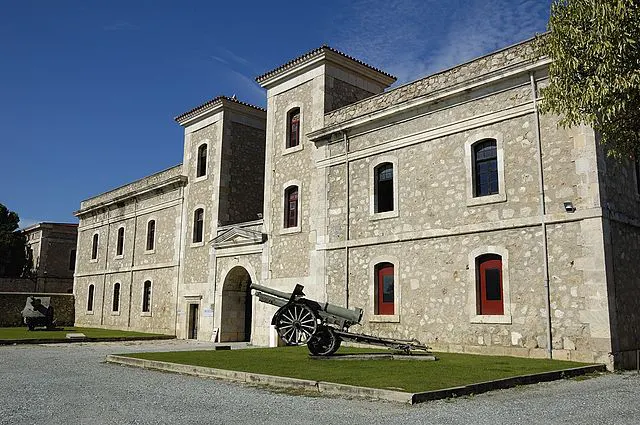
x,y
463,74
125,190
340,93
11,304
243,174
135,265
57,286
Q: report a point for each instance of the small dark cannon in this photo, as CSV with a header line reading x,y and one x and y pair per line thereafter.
x,y
322,326
38,311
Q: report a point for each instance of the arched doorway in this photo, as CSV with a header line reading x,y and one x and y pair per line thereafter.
x,y
236,306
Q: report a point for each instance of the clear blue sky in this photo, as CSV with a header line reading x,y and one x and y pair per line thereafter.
x,y
89,89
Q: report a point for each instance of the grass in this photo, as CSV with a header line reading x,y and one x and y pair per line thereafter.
x,y
450,370
23,333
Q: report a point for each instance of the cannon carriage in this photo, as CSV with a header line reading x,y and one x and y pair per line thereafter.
x,y
38,311
321,326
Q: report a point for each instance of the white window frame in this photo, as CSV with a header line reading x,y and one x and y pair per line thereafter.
x,y
124,240
283,206
193,224
472,303
95,260
384,318
476,137
150,312
373,215
285,149
93,301
113,287
155,236
206,174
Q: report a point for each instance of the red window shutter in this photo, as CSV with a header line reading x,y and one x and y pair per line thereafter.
x,y
291,211
294,130
385,290
491,298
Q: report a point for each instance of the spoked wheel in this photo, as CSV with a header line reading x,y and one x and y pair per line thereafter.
x,y
324,342
295,323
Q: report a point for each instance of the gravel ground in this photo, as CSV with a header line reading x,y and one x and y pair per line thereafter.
x,y
71,384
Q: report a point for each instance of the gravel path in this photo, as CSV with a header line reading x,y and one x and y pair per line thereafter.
x,y
71,384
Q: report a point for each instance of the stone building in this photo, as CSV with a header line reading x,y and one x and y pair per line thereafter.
x,y
448,208
51,248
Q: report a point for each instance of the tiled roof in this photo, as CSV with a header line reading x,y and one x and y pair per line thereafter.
x,y
310,55
216,100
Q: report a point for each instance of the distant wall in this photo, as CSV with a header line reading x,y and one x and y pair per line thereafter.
x,y
12,303
49,285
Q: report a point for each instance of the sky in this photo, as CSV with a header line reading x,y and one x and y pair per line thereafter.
x,y
89,89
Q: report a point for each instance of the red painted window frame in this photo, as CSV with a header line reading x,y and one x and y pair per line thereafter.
x,y
293,128
384,307
291,207
488,306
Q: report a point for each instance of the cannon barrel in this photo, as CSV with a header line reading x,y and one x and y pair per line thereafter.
x,y
351,315
274,292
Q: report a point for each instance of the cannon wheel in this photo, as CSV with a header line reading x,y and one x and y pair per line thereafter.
x,y
324,342
296,323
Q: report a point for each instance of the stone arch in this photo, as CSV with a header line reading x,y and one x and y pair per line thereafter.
x,y
236,309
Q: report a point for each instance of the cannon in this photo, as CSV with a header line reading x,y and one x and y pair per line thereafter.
x,y
321,326
38,311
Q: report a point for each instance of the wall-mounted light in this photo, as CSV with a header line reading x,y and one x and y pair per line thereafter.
x,y
568,206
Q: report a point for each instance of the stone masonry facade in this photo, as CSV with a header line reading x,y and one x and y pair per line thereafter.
x,y
561,221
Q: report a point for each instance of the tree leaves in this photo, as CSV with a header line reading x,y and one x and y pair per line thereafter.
x,y
595,74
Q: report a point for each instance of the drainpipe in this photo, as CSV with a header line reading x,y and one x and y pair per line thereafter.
x,y
346,232
543,224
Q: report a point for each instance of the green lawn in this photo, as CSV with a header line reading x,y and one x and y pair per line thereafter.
x,y
23,333
448,371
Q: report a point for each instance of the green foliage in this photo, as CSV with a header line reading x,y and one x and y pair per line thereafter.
x,y
595,74
12,244
450,370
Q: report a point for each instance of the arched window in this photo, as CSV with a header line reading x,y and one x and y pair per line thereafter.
x,y
120,242
384,291
201,168
198,225
94,247
291,206
489,289
485,168
90,298
146,297
293,128
151,235
116,297
383,190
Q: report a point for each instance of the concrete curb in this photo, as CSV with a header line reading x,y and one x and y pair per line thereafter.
x,y
86,339
330,388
